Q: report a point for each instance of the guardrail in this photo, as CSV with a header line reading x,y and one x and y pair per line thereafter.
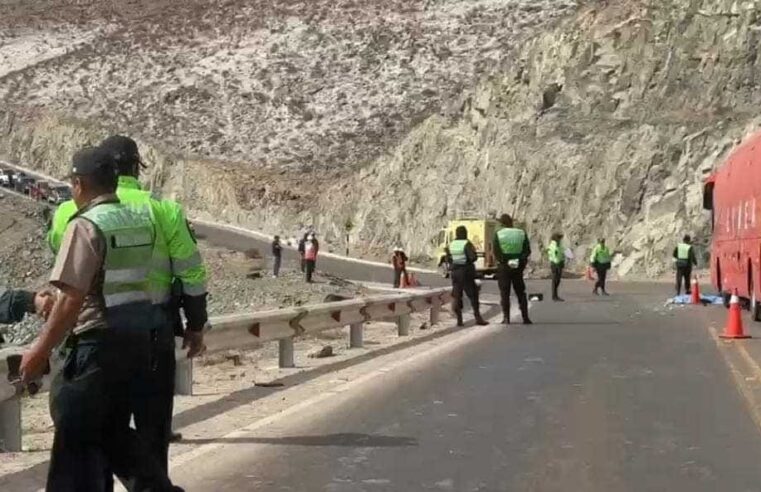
x,y
238,331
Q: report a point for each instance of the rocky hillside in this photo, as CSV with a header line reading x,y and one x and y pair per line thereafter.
x,y
598,120
606,126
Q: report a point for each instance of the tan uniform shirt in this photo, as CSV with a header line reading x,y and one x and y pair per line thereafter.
x,y
79,265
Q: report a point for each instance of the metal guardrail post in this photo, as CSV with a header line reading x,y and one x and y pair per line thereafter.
x,y
356,333
10,425
286,352
403,325
435,310
183,377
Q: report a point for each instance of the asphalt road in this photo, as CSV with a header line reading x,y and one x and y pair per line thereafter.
x,y
334,266
601,394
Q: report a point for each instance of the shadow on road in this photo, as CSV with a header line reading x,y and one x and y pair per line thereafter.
x,y
343,439
249,395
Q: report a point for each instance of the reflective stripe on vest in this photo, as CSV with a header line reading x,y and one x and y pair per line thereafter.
x,y
129,237
457,251
511,240
554,252
683,251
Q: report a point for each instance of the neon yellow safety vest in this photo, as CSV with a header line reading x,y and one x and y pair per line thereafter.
x,y
176,253
130,242
555,253
600,254
457,251
511,242
683,251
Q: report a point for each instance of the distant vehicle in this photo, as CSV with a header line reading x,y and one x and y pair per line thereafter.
x,y
733,195
22,183
40,190
59,194
480,232
6,178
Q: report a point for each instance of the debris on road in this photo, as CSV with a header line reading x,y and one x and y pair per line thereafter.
x,y
326,351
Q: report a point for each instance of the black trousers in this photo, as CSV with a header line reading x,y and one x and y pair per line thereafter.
x,y
602,272
91,401
153,407
512,278
398,277
276,262
310,266
557,275
683,274
464,280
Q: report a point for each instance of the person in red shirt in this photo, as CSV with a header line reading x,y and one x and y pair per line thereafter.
x,y
311,248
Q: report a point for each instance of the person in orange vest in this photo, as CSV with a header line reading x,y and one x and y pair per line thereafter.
x,y
399,261
311,248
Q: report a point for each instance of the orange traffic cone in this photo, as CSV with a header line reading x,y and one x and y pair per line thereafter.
x,y
734,328
695,299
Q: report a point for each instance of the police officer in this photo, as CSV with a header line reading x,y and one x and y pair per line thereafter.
x,y
600,261
556,255
462,257
512,249
15,303
684,255
178,268
105,312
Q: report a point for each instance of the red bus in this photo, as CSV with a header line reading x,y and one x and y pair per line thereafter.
x,y
733,195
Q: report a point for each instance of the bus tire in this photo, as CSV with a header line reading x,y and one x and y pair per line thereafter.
x,y
755,307
726,297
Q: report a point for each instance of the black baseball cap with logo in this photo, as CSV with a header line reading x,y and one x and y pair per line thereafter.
x,y
123,150
92,160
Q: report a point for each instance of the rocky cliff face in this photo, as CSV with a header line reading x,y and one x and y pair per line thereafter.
x,y
605,126
602,125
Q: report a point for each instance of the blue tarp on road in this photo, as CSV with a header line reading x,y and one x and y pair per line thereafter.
x,y
704,299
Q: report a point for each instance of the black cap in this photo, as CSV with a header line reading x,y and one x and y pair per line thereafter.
x,y
122,149
91,160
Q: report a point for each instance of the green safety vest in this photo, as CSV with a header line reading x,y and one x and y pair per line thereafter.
x,y
130,241
556,254
600,254
511,242
176,254
683,251
457,251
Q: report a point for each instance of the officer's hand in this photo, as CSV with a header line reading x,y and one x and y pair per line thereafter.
x,y
193,341
33,364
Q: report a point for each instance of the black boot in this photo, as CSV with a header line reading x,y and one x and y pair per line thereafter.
x,y
459,318
479,320
505,317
